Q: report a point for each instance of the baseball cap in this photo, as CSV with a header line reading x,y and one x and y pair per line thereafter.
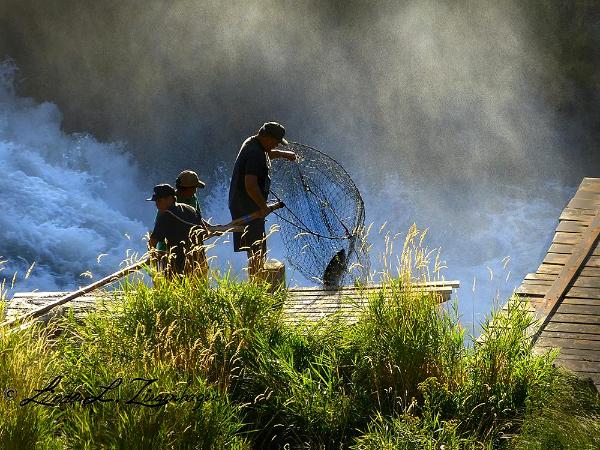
x,y
274,129
189,178
160,191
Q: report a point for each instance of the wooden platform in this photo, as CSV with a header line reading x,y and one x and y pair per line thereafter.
x,y
303,303
25,302
565,290
316,303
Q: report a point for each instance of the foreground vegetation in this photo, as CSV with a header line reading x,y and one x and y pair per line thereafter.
x,y
193,364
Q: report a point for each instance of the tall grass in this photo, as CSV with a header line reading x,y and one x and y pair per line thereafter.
x,y
409,432
565,415
23,364
231,372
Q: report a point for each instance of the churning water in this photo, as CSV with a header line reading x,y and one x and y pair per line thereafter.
x,y
69,203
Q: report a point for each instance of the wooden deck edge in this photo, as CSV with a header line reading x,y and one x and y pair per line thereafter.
x,y
433,284
299,299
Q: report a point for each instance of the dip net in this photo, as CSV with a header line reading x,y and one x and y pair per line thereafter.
x,y
322,223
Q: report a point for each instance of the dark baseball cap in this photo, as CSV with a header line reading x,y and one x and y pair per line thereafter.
x,y
160,191
275,130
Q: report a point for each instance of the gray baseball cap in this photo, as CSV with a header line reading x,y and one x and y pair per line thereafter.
x,y
275,130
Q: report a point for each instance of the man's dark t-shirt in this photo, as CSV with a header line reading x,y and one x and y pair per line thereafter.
x,y
175,231
251,160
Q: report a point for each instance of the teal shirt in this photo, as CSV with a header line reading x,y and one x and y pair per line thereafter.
x,y
192,201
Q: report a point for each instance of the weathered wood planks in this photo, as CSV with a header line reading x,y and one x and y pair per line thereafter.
x,y
565,290
302,303
313,304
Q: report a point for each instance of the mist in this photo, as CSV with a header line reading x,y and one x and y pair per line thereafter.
x,y
475,119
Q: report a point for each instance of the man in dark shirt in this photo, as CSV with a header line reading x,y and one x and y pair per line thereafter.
x,y
182,229
249,189
186,186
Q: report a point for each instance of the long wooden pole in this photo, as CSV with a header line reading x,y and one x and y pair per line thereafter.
x,y
238,224
73,295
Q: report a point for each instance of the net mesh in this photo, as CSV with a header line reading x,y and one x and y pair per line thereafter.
x,y
322,224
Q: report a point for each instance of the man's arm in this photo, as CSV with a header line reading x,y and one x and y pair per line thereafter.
x,y
202,224
273,154
158,234
251,185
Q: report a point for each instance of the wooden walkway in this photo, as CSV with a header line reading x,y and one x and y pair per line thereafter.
x,y
302,304
315,303
565,290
